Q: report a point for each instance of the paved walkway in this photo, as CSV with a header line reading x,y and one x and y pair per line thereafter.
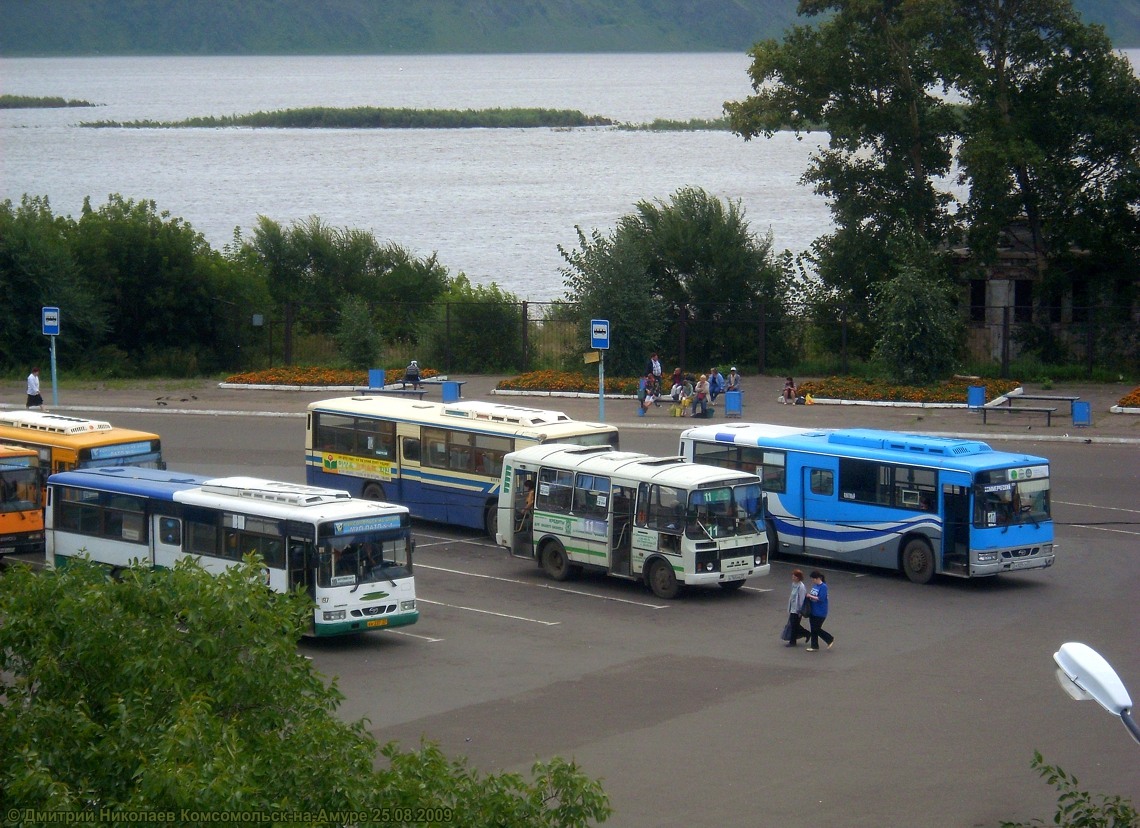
x,y
760,405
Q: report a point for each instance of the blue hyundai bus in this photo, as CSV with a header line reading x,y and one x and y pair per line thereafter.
x,y
920,504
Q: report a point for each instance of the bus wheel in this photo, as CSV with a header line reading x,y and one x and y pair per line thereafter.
x,y
373,491
491,521
918,560
662,580
554,561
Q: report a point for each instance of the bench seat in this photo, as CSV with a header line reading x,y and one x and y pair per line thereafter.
x,y
1021,409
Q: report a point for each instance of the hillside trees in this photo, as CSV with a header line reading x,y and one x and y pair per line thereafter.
x,y
693,257
1048,130
176,689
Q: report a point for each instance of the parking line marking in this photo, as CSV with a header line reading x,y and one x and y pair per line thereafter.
x,y
489,612
542,586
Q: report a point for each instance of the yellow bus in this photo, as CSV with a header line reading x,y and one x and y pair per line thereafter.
x,y
21,488
65,443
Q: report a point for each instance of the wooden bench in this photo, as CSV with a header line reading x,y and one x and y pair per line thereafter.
x,y
1045,398
1020,409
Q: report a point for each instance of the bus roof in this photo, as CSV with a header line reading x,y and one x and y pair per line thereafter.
x,y
157,483
253,495
868,443
495,418
45,427
605,460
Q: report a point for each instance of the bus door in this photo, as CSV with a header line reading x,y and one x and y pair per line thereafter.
x,y
817,506
302,565
621,526
956,523
522,509
407,466
166,540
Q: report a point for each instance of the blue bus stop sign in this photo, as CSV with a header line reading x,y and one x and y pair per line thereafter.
x,y
600,334
51,321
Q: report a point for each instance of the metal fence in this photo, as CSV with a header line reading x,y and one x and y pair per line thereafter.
x,y
526,336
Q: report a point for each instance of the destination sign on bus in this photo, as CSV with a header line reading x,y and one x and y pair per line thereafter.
x,y
379,523
1028,472
119,450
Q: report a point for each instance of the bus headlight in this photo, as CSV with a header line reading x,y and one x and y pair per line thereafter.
x,y
407,605
333,615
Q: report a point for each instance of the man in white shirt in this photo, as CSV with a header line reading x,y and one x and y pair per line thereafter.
x,y
34,398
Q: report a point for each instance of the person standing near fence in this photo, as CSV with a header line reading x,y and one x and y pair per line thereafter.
x,y
817,600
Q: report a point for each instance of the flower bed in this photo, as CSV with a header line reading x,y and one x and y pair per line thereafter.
x,y
1131,399
948,391
567,382
293,375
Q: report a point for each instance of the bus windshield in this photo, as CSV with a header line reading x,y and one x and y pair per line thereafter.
x,y
1001,501
370,557
601,438
19,489
724,511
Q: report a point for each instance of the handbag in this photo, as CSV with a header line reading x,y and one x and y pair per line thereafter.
x,y
786,635
805,610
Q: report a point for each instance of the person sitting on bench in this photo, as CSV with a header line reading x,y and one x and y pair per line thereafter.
x,y
412,374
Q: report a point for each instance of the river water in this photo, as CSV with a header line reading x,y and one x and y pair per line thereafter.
x,y
494,204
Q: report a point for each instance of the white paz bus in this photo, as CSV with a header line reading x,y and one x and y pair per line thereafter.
x,y
658,520
352,557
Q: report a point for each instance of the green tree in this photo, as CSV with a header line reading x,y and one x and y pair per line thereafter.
x,y
38,269
920,331
356,335
476,328
158,282
172,689
694,256
1077,808
607,277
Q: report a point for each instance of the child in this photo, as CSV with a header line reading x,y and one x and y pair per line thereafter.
x,y
789,395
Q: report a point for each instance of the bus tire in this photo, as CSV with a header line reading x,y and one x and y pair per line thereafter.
x,y
918,560
373,491
491,520
555,562
663,580
773,537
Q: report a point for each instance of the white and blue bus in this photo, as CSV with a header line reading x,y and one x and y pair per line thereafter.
x,y
352,557
442,461
920,504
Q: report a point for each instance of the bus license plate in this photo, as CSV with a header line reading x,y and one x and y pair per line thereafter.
x,y
736,576
378,622
1031,564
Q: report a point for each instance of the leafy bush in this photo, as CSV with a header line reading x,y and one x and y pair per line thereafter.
x,y
1077,808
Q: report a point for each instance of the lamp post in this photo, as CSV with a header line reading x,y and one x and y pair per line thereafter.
x,y
1085,674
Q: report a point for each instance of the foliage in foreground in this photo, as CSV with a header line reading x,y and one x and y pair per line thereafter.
x,y
1077,808
174,691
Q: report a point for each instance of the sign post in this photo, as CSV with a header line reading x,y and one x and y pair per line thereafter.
x,y
50,320
600,341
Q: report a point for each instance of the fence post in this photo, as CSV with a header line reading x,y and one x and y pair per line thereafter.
x,y
1090,342
447,334
843,341
761,337
682,333
1005,342
525,336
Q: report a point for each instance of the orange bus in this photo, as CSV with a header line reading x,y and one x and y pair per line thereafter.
x,y
21,501
64,443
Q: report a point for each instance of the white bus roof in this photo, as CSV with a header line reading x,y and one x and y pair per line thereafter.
x,y
473,413
52,423
603,460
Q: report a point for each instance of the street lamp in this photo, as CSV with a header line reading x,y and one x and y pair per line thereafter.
x,y
1084,674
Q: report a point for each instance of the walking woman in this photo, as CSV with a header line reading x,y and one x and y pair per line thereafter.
x,y
796,608
818,598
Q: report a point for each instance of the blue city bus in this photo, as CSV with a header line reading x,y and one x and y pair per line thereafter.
x,y
920,504
352,557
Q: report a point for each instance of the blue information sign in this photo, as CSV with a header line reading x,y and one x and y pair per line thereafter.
x,y
600,334
51,321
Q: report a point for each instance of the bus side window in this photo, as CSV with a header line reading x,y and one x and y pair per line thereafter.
x,y
170,531
412,449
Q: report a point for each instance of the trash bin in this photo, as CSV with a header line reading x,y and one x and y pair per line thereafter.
x,y
450,391
733,403
975,396
1082,413
375,377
